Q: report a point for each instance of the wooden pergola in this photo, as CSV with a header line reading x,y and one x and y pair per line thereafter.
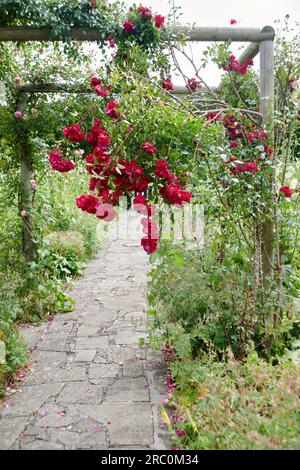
x,y
261,42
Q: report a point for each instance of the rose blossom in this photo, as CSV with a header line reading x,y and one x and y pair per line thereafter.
x,y
159,21
286,190
148,147
128,27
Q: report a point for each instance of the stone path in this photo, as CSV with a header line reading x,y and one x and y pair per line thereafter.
x,y
92,386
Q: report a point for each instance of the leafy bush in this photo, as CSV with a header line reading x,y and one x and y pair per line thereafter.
x,y
63,253
203,304
234,405
15,349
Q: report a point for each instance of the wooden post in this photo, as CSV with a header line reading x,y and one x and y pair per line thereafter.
x,y
192,33
25,203
266,105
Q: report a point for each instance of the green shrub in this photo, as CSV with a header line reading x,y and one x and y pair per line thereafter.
x,y
237,405
62,253
66,243
15,349
196,298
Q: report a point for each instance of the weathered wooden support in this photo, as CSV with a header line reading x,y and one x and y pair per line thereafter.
x,y
266,105
29,33
223,34
25,203
249,53
53,88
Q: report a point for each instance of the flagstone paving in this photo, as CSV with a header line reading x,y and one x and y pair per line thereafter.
x,y
92,386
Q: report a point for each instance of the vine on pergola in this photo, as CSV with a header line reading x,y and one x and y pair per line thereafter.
x,y
133,43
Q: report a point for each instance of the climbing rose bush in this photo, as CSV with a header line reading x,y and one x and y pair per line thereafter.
x,y
112,176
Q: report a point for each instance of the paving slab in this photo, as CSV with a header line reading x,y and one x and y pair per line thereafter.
x,y
89,385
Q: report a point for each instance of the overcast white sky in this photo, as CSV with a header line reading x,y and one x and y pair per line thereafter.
x,y
256,13
248,13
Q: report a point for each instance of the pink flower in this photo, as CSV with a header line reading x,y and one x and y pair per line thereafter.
x,y
180,432
106,212
148,147
33,111
159,21
128,27
34,185
79,153
233,21
17,79
23,213
18,115
140,204
111,42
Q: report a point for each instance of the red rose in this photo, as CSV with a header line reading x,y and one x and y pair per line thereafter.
x,y
128,27
145,12
88,203
286,190
150,245
98,137
193,84
140,204
101,91
168,85
251,167
257,134
159,21
233,144
110,109
231,159
95,81
148,147
58,164
73,133
233,21
162,171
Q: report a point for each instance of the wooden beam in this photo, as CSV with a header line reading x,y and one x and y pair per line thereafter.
x,y
67,88
25,203
266,107
29,33
52,88
224,34
249,53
